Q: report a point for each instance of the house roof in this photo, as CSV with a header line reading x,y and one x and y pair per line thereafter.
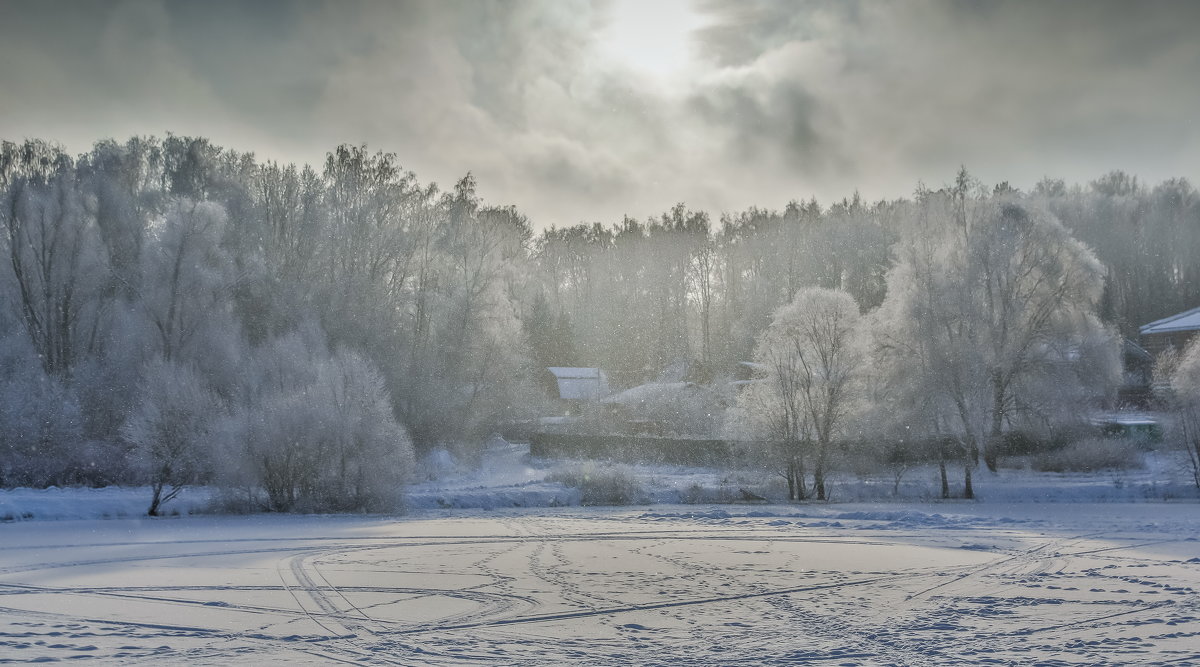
x,y
569,372
580,383
650,392
1188,320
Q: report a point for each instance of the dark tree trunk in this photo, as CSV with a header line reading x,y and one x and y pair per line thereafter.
x,y
819,476
992,443
156,500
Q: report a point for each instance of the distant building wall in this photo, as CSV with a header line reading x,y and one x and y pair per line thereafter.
x,y
1157,343
1173,332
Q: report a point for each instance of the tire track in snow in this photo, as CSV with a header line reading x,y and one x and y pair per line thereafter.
x,y
301,644
279,569
389,543
1021,557
652,606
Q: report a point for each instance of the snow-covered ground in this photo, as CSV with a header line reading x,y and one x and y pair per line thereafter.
x,y
504,566
909,584
83,503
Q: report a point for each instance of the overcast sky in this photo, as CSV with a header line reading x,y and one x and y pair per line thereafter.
x,y
580,110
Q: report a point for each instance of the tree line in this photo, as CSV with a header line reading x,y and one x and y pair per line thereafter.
x,y
175,311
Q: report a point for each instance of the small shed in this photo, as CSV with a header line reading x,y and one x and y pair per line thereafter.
x,y
578,384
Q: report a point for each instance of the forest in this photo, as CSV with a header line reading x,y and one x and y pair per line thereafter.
x,y
174,312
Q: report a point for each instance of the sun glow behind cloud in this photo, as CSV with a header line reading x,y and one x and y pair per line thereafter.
x,y
650,38
593,109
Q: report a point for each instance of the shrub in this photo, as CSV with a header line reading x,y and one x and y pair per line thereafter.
x,y
40,420
170,429
317,434
600,485
1088,455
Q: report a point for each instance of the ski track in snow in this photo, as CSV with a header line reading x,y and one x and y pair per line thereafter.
x,y
783,585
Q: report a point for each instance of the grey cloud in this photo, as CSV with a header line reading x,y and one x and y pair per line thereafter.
x,y
790,99
740,31
906,91
763,120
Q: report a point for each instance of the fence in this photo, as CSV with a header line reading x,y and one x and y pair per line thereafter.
x,y
638,449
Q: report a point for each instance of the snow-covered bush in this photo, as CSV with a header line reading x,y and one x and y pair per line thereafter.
x,y
170,429
316,433
40,420
600,485
1089,455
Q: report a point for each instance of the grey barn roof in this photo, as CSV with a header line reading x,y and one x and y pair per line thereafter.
x,y
580,383
1188,320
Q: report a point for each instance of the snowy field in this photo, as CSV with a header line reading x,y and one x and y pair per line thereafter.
x,y
907,584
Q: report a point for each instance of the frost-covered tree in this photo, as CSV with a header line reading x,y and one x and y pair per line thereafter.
x,y
183,249
1148,237
171,429
468,360
56,266
989,297
908,407
704,280
124,180
186,274
811,358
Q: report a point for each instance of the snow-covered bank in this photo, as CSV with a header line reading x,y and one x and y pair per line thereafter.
x,y
503,478
508,480
1162,476
84,503
488,496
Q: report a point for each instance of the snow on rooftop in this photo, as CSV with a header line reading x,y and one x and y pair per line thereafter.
x,y
1188,320
580,383
569,372
650,392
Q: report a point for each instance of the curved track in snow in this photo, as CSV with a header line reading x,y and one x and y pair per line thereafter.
x,y
607,586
